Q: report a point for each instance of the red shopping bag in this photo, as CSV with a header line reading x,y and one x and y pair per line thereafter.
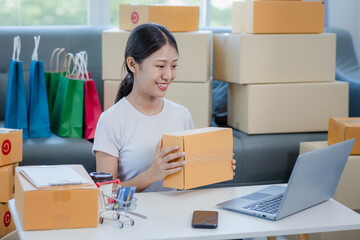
x,y
92,109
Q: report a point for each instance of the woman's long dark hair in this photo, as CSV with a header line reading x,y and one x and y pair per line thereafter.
x,y
143,41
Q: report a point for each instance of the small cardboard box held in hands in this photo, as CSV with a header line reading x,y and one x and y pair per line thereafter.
x,y
208,156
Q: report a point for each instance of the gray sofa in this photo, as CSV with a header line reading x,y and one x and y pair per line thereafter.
x,y
261,159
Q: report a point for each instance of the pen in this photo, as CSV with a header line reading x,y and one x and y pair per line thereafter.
x,y
138,215
65,183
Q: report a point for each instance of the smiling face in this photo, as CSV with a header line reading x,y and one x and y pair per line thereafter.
x,y
153,76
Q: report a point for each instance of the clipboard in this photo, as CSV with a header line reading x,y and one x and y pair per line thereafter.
x,y
48,176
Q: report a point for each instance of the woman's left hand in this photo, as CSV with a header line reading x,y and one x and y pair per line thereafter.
x,y
233,165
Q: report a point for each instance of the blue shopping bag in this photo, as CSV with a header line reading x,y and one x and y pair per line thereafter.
x,y
37,108
15,108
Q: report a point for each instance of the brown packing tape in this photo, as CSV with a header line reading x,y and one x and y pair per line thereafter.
x,y
196,157
352,121
60,221
63,196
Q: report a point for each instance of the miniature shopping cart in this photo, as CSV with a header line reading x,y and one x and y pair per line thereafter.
x,y
111,207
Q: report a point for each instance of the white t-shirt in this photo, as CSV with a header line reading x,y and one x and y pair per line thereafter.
x,y
123,132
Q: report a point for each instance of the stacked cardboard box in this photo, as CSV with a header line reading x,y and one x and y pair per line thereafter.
x,y
193,82
10,155
51,206
281,70
347,191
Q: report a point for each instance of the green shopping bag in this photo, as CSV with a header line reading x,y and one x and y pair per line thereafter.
x,y
67,113
52,77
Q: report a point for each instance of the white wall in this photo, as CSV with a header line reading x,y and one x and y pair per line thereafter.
x,y
345,14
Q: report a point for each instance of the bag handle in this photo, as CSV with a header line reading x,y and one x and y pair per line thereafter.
x,y
62,50
52,57
83,59
70,59
77,70
16,49
34,56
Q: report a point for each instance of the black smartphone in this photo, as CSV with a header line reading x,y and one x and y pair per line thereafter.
x,y
205,219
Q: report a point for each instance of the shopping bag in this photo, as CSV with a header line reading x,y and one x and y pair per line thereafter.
x,y
38,111
15,108
67,114
52,77
92,109
92,106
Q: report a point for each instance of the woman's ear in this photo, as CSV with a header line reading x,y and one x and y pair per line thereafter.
x,y
130,61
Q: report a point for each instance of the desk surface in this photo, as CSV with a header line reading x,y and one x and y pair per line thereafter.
x,y
170,213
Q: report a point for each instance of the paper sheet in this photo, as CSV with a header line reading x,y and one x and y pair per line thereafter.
x,y
45,176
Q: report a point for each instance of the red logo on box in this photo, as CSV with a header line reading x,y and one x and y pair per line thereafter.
x,y
6,147
134,17
7,219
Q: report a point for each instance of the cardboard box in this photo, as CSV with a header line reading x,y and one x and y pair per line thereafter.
x,y
193,64
197,97
274,58
174,18
195,92
71,206
7,182
286,108
208,155
291,17
342,129
11,146
347,191
6,221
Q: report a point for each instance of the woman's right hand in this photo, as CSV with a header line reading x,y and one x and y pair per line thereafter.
x,y
161,166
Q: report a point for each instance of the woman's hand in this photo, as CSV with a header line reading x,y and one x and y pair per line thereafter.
x,y
234,165
161,166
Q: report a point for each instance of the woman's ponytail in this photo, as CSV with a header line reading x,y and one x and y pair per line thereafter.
x,y
125,87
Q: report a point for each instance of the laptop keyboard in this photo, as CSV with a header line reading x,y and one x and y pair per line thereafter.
x,y
267,206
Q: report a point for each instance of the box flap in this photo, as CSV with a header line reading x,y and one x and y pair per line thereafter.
x,y
175,180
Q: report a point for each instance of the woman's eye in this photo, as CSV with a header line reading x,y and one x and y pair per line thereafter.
x,y
174,66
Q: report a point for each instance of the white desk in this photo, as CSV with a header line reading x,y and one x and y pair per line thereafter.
x,y
170,213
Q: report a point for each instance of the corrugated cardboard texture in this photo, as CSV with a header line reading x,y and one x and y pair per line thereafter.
x,y
6,220
174,18
342,129
195,92
11,147
274,58
7,182
286,108
347,191
73,206
208,155
291,17
194,50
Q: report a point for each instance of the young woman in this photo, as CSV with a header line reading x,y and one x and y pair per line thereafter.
x,y
127,141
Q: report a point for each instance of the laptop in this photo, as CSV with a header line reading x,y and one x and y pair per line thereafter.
x,y
313,180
